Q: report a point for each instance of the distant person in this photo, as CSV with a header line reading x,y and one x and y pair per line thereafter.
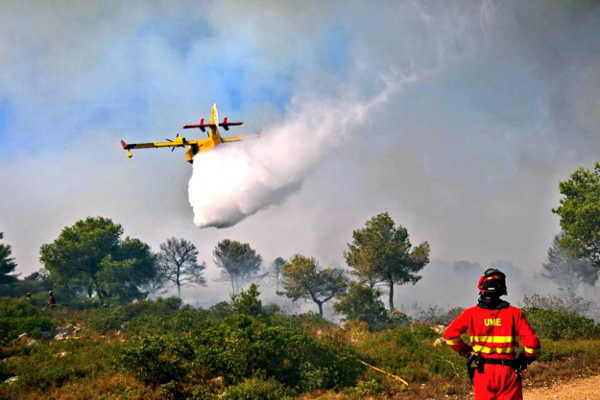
x,y
28,296
494,327
51,299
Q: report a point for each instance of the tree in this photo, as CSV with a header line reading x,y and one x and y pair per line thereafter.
x,y
7,264
122,273
247,302
303,279
568,272
90,258
178,263
362,303
381,253
156,285
238,261
277,270
579,213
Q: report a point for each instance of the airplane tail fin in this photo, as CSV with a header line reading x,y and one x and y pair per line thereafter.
x,y
214,114
125,145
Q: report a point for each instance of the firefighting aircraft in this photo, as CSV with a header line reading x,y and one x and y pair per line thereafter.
x,y
193,146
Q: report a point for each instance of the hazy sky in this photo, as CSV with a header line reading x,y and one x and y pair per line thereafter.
x,y
486,106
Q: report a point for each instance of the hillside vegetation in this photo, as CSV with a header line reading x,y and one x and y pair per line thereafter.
x,y
242,350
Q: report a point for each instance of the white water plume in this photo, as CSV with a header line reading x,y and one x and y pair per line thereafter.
x,y
234,181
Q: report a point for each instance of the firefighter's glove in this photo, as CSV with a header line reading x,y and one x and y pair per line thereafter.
x,y
467,352
523,362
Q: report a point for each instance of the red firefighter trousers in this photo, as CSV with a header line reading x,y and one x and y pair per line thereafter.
x,y
498,382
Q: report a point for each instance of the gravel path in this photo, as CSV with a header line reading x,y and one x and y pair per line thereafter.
x,y
578,389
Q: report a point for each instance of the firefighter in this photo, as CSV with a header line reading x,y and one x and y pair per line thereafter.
x,y
494,326
51,300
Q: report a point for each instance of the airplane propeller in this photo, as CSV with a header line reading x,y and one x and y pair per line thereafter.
x,y
169,140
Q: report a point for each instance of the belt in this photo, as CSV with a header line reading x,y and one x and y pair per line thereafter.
x,y
501,361
476,362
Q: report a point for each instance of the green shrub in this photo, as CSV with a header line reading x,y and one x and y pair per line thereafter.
x,y
363,389
256,388
19,316
157,359
120,316
237,348
559,349
410,354
558,324
57,362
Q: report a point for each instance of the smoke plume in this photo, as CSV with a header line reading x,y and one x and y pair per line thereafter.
x,y
236,180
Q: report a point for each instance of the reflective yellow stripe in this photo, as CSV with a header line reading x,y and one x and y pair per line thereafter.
x,y
452,342
493,339
531,350
489,350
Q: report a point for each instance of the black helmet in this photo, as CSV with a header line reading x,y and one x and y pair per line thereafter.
x,y
492,283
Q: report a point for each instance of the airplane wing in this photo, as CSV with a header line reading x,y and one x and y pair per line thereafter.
x,y
239,138
178,142
232,139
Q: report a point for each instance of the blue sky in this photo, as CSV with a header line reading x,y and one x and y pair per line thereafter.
x,y
494,103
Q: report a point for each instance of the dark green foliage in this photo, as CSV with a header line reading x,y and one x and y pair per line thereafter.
x,y
247,302
157,359
238,347
20,287
579,213
18,316
90,258
362,303
558,324
116,317
381,252
7,263
302,278
256,388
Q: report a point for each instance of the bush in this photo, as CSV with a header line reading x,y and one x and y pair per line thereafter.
x,y
157,359
409,353
256,388
237,348
58,362
557,324
437,315
119,316
568,301
18,316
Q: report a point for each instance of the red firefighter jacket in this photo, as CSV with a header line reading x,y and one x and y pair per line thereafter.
x,y
493,333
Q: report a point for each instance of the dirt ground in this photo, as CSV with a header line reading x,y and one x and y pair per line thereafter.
x,y
577,389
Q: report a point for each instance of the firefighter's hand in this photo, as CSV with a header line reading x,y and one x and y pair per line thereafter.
x,y
467,353
523,362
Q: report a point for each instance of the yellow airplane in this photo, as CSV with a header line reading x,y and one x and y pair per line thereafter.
x,y
193,146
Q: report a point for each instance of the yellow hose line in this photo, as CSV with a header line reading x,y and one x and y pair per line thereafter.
x,y
384,372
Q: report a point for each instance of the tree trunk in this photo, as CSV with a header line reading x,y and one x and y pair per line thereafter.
x,y
178,282
320,308
391,294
